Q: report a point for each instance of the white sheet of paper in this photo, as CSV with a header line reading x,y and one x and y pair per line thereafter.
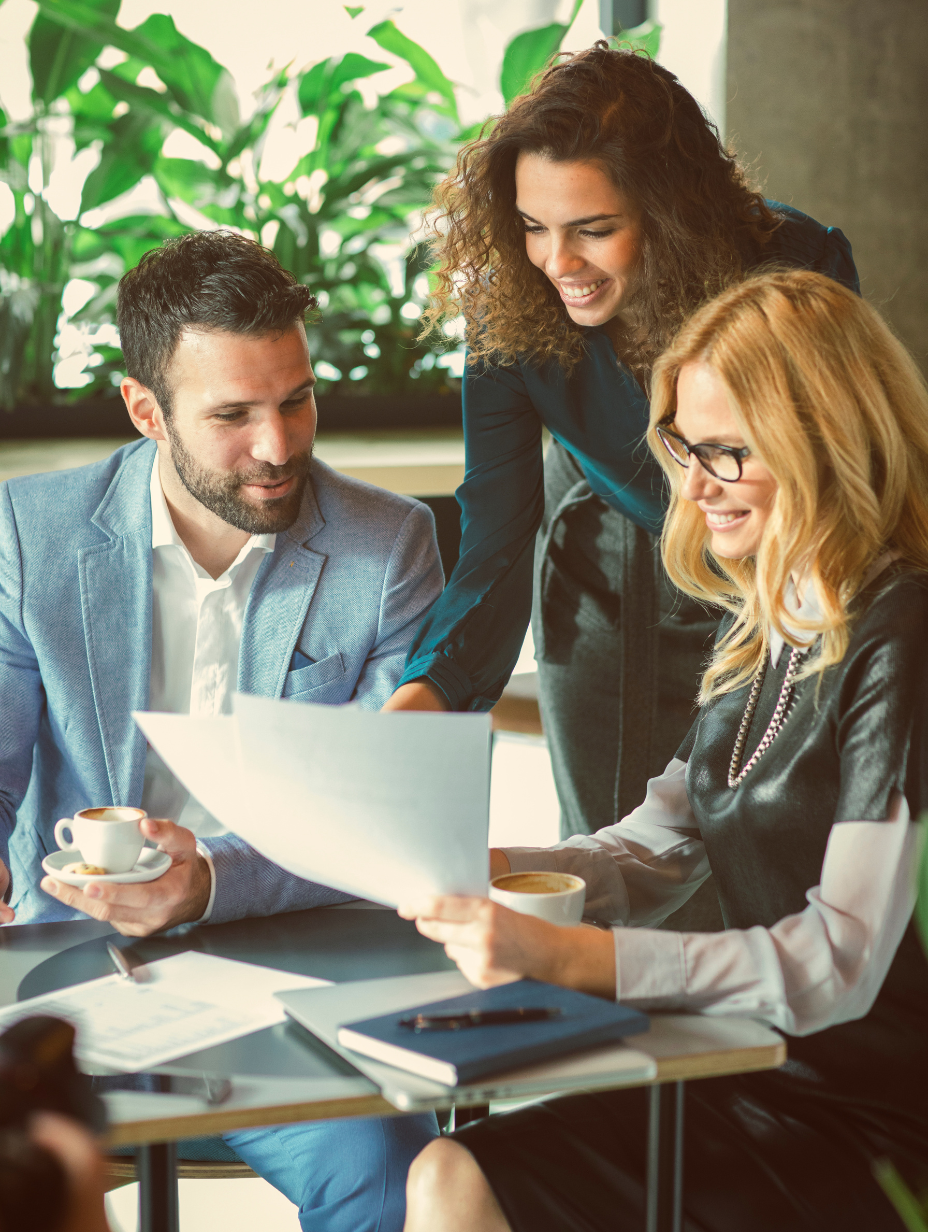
x,y
191,1001
389,807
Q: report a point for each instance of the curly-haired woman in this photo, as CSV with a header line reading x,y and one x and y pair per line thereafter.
x,y
576,236
793,429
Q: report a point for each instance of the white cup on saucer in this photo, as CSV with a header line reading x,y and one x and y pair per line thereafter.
x,y
555,897
108,836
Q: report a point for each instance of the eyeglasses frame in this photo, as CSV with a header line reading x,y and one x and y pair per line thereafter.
x,y
736,452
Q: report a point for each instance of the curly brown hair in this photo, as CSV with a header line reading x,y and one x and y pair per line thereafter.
x,y
701,224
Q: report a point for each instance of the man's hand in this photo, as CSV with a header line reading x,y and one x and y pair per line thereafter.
x,y
493,945
178,897
77,1152
418,695
7,914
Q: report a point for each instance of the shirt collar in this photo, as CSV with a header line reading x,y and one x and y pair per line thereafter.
x,y
809,606
806,608
164,533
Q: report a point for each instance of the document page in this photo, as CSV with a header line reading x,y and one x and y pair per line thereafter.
x,y
389,807
191,1001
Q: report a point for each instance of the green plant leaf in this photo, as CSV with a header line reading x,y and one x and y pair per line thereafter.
x,y
387,35
135,142
197,82
321,86
895,1188
528,53
351,9
59,56
921,906
646,38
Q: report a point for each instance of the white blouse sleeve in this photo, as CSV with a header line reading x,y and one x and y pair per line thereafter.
x,y
640,870
822,966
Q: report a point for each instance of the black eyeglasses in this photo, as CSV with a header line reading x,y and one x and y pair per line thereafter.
x,y
721,461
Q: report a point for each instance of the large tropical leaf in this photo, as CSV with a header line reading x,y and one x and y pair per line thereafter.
x,y
646,38
390,38
59,56
135,142
321,85
196,81
528,53
152,100
921,907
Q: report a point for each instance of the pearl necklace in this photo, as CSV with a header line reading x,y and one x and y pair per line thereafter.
x,y
776,722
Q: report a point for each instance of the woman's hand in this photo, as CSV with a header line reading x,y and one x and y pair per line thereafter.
x,y
493,945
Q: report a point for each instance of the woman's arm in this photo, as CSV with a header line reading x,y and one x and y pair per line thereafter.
x,y
809,971
639,871
812,970
467,646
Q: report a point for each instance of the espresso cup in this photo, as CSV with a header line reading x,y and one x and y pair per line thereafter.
x,y
555,897
109,837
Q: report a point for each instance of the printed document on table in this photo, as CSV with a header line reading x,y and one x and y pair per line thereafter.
x,y
389,807
191,1001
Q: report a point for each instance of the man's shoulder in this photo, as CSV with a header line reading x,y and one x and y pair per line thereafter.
x,y
347,504
53,499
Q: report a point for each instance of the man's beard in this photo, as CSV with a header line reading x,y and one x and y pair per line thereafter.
x,y
220,492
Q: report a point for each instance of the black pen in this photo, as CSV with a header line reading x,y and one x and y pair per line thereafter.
x,y
479,1018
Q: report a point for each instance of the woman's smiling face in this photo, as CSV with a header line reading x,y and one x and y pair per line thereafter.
x,y
581,232
736,513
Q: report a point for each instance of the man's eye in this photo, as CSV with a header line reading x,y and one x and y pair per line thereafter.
x,y
230,417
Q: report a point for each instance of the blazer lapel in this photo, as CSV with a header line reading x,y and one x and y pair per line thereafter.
x,y
116,585
278,603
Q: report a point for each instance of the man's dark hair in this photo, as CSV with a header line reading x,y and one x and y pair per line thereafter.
x,y
211,280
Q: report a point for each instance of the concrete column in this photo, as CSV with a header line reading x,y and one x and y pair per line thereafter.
x,y
828,101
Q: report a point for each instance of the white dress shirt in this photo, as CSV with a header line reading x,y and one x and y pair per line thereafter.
x,y
195,640
823,966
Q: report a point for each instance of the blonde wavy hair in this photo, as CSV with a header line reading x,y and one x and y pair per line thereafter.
x,y
836,409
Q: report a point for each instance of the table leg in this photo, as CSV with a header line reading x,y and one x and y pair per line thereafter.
x,y
665,1158
157,1172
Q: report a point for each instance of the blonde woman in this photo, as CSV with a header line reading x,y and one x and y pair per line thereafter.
x,y
794,430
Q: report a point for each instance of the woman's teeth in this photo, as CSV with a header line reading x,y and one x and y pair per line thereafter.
x,y
722,519
581,292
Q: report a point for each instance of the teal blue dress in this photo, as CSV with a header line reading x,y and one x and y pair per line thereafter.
x,y
469,643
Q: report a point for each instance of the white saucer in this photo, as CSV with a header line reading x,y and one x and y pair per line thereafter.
x,y
151,865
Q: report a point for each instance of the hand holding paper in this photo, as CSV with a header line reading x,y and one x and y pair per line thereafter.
x,y
391,807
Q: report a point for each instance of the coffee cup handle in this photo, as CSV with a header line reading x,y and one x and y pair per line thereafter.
x,y
60,827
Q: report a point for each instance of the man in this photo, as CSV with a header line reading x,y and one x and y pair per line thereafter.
x,y
215,555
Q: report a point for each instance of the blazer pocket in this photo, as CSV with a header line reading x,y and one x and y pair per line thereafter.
x,y
313,675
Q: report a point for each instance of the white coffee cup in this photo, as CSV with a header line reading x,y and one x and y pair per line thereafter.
x,y
556,897
108,836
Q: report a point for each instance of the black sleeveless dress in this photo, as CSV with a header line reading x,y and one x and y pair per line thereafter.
x,y
790,1150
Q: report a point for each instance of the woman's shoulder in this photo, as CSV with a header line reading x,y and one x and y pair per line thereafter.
x,y
892,607
802,241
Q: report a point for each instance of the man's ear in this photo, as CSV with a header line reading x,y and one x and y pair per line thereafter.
x,y
143,408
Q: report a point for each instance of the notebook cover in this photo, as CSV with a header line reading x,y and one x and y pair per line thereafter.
x,y
456,1057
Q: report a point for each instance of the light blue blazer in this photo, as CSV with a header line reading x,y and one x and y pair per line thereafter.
x,y
330,616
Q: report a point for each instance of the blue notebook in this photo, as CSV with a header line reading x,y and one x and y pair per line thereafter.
x,y
456,1057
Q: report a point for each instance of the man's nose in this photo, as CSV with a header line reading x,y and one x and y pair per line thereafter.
x,y
271,440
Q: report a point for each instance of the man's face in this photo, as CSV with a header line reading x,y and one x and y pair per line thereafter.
x,y
242,424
